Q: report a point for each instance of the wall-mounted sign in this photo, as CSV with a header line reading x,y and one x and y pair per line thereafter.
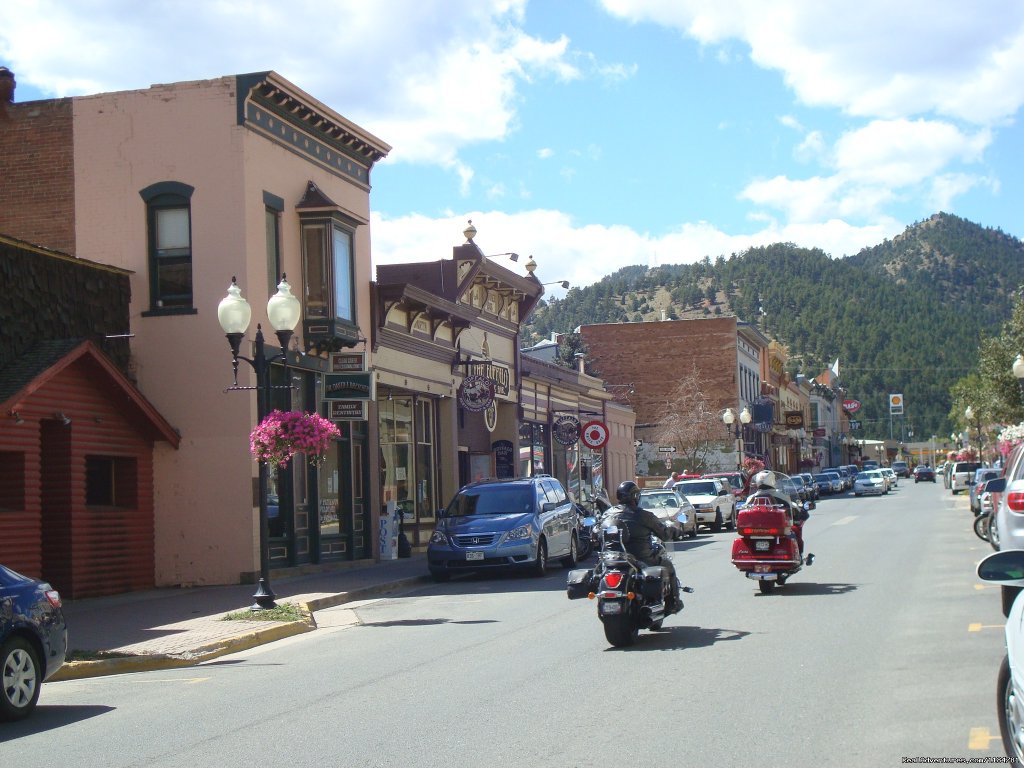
x,y
504,458
794,419
350,386
854,424
346,410
499,374
476,393
566,429
594,435
851,406
491,418
348,362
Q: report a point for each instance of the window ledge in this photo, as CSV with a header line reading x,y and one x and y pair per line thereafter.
x,y
161,311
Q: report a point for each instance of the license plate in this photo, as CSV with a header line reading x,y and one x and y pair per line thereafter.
x,y
611,607
474,555
762,568
762,546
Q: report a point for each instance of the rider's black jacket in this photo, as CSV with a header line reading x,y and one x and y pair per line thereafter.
x,y
640,523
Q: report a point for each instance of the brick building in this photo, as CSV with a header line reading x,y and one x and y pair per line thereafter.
x,y
641,363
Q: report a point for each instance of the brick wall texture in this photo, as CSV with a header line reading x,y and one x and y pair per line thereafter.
x,y
652,356
37,202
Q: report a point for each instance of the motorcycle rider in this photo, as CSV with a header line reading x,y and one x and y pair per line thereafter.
x,y
766,484
641,523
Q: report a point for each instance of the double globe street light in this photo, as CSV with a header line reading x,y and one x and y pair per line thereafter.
x,y
234,314
729,419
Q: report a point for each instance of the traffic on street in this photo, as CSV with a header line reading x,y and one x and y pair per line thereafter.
x,y
885,651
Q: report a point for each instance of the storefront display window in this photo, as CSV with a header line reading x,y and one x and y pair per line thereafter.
x,y
407,454
533,452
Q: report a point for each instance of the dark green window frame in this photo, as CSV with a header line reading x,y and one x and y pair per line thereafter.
x,y
169,244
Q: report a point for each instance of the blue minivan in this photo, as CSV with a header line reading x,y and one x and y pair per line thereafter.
x,y
521,523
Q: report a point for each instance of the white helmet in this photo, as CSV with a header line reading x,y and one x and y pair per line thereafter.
x,y
764,479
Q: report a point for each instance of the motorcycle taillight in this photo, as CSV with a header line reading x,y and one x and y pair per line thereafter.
x,y
613,579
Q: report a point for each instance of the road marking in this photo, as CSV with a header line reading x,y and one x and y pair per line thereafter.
x,y
845,520
979,627
980,587
188,680
980,738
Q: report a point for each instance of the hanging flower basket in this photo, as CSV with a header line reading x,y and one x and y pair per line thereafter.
x,y
282,434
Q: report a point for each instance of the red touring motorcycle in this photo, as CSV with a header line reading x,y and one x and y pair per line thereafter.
x,y
767,549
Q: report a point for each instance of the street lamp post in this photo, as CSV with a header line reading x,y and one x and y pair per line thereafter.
x,y
1018,372
731,427
234,314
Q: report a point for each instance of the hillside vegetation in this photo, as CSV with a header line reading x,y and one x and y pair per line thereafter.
x,y
905,316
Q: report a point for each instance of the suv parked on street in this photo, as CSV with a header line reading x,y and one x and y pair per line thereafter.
x,y
739,483
518,523
901,468
1008,516
713,501
962,474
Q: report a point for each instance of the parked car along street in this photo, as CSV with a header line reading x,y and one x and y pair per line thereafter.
x,y
33,641
831,482
713,501
901,468
961,475
981,476
505,523
739,483
667,504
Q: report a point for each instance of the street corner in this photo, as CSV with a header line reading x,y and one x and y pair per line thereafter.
x,y
148,662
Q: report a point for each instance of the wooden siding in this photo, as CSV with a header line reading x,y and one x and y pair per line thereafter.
x,y
84,551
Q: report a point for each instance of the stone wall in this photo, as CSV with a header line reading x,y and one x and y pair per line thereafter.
x,y
53,296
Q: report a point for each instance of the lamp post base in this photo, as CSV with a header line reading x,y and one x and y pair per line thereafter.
x,y
263,598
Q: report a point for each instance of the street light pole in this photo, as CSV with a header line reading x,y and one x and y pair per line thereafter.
x,y
234,314
1018,372
731,427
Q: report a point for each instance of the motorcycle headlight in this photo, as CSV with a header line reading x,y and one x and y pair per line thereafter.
x,y
438,537
518,534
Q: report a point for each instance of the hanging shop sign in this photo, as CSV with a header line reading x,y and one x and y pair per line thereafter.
x,y
476,393
350,386
499,374
594,435
566,429
348,362
851,406
346,410
794,419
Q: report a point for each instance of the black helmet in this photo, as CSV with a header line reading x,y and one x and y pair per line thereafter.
x,y
628,493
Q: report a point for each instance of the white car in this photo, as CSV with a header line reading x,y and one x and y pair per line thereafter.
x,y
1007,569
713,501
890,476
667,505
870,482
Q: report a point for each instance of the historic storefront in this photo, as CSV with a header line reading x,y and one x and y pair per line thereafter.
x,y
446,361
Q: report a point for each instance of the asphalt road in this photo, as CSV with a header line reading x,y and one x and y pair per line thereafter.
x,y
886,648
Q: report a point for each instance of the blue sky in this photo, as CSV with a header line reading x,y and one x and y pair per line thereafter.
x,y
594,134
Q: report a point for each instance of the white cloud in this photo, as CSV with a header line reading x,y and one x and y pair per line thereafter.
x,y
874,58
545,152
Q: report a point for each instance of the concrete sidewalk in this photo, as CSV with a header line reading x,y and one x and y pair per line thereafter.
x,y
169,628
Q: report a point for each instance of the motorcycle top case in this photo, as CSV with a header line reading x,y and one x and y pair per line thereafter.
x,y
782,551
579,583
764,521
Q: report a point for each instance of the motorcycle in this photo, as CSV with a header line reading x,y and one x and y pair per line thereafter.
x,y
630,594
766,549
587,518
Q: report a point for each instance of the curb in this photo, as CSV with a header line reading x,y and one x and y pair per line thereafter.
x,y
79,670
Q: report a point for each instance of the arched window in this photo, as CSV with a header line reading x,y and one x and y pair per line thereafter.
x,y
169,240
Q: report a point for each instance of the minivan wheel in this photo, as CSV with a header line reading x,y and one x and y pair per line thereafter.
x,y
1011,714
570,560
540,565
21,677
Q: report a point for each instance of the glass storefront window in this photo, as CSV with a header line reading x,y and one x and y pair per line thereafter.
x,y
407,453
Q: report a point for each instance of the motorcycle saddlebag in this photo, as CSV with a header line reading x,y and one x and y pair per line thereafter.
x,y
579,584
651,588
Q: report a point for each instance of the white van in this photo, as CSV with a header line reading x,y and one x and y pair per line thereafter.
x,y
962,475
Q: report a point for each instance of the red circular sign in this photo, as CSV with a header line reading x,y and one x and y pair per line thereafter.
x,y
851,406
594,434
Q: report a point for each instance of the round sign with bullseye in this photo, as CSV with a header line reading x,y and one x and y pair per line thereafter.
x,y
594,435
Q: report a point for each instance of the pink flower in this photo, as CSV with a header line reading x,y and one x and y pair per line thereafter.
x,y
282,434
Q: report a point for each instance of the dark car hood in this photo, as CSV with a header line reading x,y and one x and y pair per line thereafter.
x,y
485,523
